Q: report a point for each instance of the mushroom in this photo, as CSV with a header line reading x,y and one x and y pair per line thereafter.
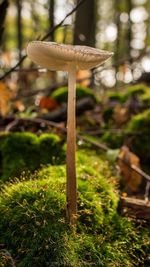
x,y
68,58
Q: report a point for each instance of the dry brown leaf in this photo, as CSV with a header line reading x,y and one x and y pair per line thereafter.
x,y
47,103
132,179
121,115
5,96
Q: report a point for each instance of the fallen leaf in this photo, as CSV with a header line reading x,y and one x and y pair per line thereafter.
x,y
5,96
132,179
47,103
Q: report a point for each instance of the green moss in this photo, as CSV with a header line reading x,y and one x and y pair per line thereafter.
x,y
138,89
117,96
3,137
141,91
61,94
51,149
107,114
145,98
23,152
141,142
114,140
6,259
33,225
19,153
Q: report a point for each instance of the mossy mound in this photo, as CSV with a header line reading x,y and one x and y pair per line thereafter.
x,y
117,97
140,91
61,94
114,140
108,114
141,142
33,225
27,152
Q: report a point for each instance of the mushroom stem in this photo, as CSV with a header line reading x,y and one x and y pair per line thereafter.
x,y
71,186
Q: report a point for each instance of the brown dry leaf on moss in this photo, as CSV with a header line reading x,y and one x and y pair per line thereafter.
x,y
121,115
5,96
132,180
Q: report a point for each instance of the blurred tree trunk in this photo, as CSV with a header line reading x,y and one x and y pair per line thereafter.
x,y
129,31
35,19
3,10
147,37
19,27
51,18
117,43
85,24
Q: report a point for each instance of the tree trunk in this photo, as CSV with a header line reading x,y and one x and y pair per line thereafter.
x,y
3,10
85,22
19,27
129,31
51,18
117,42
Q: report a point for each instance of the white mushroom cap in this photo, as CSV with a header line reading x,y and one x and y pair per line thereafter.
x,y
60,56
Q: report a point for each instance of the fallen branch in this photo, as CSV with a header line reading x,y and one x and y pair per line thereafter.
x,y
16,121
136,208
61,114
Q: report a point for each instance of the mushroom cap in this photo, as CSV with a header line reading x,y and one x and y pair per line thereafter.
x,y
60,56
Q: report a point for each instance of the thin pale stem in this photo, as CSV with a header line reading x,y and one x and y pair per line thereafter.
x,y
71,147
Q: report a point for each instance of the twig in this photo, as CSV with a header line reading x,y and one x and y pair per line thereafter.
x,y
43,38
35,120
94,143
115,131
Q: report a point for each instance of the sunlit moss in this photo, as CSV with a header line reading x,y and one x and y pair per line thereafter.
x,y
140,123
27,152
61,94
33,220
